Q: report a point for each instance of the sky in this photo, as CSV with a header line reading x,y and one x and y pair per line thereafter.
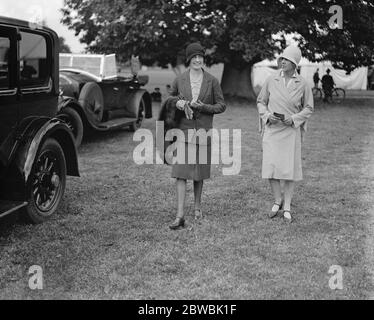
x,y
37,10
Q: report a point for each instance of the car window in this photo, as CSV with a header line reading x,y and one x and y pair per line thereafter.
x,y
33,60
4,63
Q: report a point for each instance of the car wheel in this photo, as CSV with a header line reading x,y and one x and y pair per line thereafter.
x,y
137,124
74,122
47,182
92,100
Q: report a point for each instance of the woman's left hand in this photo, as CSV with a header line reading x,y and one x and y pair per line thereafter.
x,y
288,121
197,104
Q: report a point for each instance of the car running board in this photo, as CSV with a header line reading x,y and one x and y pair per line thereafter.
x,y
116,123
7,207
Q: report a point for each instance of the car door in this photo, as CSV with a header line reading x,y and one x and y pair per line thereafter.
x,y
37,96
8,86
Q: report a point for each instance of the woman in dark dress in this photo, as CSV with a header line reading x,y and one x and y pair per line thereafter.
x,y
200,98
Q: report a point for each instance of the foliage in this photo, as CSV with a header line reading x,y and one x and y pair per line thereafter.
x,y
64,48
237,32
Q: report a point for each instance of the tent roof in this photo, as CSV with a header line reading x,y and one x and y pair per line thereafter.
x,y
273,63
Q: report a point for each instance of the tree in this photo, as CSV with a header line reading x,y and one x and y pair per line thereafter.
x,y
238,33
64,48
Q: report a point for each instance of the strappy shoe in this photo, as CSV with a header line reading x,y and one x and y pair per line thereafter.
x,y
198,214
288,216
273,213
177,224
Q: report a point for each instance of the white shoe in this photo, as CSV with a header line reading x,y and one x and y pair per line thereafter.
x,y
274,210
288,216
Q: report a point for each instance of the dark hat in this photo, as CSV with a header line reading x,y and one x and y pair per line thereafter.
x,y
194,49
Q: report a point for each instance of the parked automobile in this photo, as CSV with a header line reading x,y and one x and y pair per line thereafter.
x,y
94,96
37,150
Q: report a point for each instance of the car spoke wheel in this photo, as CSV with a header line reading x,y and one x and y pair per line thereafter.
x,y
92,100
47,182
74,122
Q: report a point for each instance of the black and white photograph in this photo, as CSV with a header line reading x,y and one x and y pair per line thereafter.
x,y
201,152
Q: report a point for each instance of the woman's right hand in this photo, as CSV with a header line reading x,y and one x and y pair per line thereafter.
x,y
183,105
273,119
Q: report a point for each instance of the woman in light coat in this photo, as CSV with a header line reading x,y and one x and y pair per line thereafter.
x,y
200,97
284,105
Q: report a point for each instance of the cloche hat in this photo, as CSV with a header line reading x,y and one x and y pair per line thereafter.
x,y
194,49
291,53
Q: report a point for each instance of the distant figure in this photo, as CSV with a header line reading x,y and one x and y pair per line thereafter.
x,y
316,78
156,95
168,89
27,71
327,85
370,85
135,65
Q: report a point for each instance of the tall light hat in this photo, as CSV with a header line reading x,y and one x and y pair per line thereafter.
x,y
291,53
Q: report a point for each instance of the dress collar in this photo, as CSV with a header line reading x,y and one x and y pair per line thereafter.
x,y
295,74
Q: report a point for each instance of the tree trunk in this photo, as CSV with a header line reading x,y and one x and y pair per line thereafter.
x,y
179,69
237,83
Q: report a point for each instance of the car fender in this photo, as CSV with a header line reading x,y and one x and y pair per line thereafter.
x,y
134,101
74,103
34,138
70,102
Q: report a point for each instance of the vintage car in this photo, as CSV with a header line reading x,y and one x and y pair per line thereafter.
x,y
94,97
37,149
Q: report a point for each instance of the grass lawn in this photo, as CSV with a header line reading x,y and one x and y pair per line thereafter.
x,y
111,238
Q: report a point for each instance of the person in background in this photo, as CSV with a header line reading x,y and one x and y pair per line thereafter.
x,y
284,104
370,85
168,88
327,85
27,71
316,78
200,98
156,95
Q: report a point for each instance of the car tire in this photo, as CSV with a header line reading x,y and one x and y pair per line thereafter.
x,y
47,181
92,100
137,124
74,122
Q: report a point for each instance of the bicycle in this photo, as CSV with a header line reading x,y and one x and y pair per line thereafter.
x,y
317,93
337,95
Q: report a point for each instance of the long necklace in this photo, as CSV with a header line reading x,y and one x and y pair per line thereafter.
x,y
195,78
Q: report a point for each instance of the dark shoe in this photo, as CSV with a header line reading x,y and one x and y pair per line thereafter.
x,y
273,214
198,214
288,216
177,224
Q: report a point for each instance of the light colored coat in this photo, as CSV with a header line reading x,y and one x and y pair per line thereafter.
x,y
281,143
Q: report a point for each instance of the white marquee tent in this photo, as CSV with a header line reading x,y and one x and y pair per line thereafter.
x,y
356,80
